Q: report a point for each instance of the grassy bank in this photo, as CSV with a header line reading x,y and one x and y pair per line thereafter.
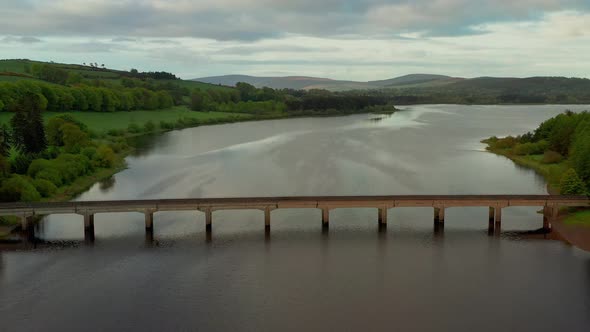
x,y
578,218
552,174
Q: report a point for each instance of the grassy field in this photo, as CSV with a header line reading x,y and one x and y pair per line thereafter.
x,y
14,66
101,122
8,78
578,218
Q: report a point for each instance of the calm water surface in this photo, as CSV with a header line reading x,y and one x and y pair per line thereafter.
x,y
298,277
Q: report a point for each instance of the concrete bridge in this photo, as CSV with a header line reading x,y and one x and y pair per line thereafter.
x,y
495,203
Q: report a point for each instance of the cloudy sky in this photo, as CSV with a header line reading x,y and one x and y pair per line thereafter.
x,y
342,39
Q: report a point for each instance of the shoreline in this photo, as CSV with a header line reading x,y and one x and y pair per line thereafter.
x,y
84,183
577,235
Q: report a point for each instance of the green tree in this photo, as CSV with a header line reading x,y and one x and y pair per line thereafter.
x,y
197,100
28,132
105,156
571,184
18,188
4,166
5,140
54,131
74,139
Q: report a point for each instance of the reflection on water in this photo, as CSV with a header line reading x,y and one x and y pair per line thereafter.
x,y
107,184
411,275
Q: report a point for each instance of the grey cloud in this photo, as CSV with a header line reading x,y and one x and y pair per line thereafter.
x,y
23,40
254,49
259,19
123,40
89,47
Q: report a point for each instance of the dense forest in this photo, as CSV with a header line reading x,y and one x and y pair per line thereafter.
x,y
564,140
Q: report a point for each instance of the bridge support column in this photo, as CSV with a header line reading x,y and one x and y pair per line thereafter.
x,y
267,218
550,213
89,227
149,221
439,215
382,216
497,219
89,222
325,217
491,215
208,220
25,222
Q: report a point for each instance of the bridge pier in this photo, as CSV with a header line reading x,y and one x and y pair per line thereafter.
x,y
550,213
88,222
208,220
439,215
267,218
149,221
25,222
497,220
382,216
27,229
89,227
491,215
325,217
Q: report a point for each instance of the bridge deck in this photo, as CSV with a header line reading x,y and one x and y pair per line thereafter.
x,y
271,203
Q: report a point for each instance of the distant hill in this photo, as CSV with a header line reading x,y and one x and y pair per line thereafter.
x,y
429,88
287,82
12,70
307,83
411,80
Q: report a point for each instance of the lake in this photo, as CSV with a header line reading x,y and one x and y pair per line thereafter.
x,y
352,277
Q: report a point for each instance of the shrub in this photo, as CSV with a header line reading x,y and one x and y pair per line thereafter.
x,y
20,163
72,166
571,184
54,132
52,175
89,152
116,132
51,153
180,123
551,157
19,188
504,143
149,126
44,187
74,138
166,125
38,165
133,128
105,156
118,146
530,148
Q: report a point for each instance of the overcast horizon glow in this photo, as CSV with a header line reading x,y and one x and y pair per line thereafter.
x,y
353,40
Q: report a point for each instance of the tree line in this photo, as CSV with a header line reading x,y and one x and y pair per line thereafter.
x,y
564,138
247,98
83,98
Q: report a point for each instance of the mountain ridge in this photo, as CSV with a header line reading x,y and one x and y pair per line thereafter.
x,y
311,82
